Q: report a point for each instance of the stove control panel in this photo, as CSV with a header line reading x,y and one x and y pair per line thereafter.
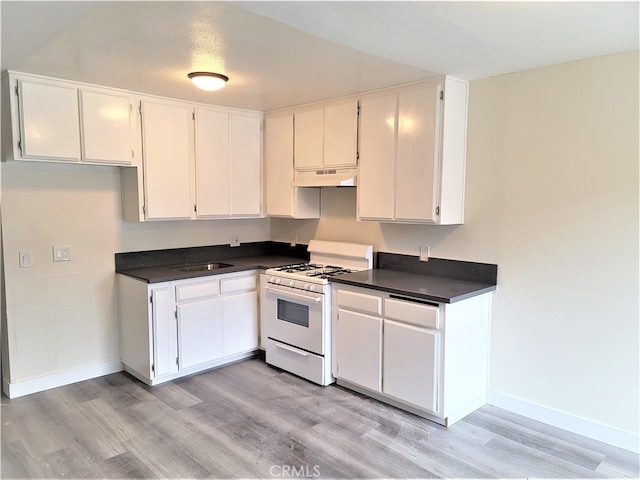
x,y
297,284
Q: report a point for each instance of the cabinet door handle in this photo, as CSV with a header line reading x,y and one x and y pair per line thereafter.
x,y
292,350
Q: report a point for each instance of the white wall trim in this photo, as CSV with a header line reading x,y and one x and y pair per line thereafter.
x,y
581,426
14,390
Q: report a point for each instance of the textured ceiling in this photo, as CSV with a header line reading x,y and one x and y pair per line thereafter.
x,y
470,40
279,54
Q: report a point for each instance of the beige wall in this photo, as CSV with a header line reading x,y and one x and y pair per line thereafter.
x,y
64,316
552,198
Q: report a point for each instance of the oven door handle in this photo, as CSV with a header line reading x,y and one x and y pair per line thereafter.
x,y
293,294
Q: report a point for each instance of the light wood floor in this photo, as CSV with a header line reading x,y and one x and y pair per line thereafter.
x,y
249,420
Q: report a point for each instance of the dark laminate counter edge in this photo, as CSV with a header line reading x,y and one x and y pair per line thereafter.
x,y
425,287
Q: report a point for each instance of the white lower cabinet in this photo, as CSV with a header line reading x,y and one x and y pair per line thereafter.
x,y
177,328
359,348
410,361
199,332
240,325
428,358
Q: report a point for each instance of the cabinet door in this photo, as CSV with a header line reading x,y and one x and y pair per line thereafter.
x,y
308,140
359,347
199,332
245,146
417,156
376,174
167,143
279,165
410,364
341,135
284,200
164,328
106,127
240,313
212,163
49,126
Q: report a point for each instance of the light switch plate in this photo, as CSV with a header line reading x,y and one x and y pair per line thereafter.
x,y
61,253
425,251
25,259
234,241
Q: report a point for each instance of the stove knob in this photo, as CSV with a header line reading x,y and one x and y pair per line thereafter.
x,y
277,280
306,286
312,288
272,279
291,283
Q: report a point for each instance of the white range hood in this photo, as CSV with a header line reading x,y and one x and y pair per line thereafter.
x,y
342,177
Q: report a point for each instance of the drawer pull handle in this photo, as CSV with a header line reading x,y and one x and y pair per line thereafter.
x,y
292,350
414,300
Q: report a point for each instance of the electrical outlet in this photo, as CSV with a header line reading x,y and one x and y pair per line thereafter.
x,y
425,251
294,239
234,241
62,253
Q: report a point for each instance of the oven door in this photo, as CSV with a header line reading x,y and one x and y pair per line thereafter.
x,y
295,317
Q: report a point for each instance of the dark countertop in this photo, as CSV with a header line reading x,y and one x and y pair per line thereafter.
x,y
438,280
426,287
165,273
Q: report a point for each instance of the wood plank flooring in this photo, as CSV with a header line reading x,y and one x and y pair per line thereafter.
x,y
250,420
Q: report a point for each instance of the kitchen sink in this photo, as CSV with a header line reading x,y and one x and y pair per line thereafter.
x,y
202,267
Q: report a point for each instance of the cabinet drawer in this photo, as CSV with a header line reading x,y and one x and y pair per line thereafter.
x,y
245,283
296,361
360,301
413,313
196,290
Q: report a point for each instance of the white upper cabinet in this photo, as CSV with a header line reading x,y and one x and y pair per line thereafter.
x,y
308,139
167,141
417,154
413,154
376,175
57,121
106,122
245,148
228,164
49,127
212,163
326,137
283,199
199,163
341,135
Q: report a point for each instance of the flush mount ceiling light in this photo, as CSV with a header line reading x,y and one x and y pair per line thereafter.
x,y
207,80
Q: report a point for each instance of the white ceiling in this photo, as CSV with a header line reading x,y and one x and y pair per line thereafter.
x,y
279,54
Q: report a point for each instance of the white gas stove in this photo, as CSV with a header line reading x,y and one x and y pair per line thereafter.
x,y
297,308
305,276
327,259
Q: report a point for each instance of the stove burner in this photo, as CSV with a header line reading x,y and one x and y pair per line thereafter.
x,y
329,271
299,267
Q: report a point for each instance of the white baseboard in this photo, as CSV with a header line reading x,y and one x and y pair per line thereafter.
x,y
27,387
571,423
